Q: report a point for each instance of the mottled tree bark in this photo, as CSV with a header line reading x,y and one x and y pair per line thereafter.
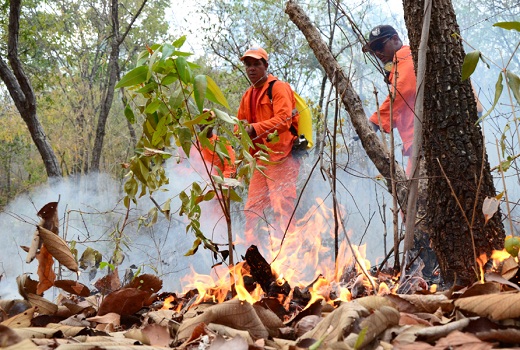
x,y
21,92
456,162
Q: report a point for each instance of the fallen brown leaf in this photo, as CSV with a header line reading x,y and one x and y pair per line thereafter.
x,y
156,335
146,282
58,248
237,343
125,301
233,313
108,283
44,306
46,273
73,287
496,306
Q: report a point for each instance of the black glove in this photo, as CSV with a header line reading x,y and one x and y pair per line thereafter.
x,y
375,127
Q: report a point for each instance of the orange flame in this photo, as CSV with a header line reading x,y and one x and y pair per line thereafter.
x,y
297,260
167,303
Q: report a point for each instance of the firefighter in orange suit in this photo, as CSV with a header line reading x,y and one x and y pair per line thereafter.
x,y
385,44
276,190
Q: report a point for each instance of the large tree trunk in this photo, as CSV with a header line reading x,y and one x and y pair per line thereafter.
x,y
369,139
456,162
21,92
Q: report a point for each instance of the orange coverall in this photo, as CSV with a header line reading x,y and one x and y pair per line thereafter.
x,y
404,101
278,189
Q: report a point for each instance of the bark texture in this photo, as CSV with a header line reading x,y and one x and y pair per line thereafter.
x,y
369,139
21,92
456,162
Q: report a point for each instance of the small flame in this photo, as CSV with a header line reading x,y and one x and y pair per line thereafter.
x,y
167,305
433,288
500,255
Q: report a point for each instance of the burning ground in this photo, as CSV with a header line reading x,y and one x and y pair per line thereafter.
x,y
265,301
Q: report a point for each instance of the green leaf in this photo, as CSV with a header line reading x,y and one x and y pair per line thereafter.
x,y
225,117
135,76
167,50
470,63
179,42
514,83
183,70
194,248
129,114
214,94
153,106
199,91
197,120
498,91
184,135
168,79
147,88
508,25
131,187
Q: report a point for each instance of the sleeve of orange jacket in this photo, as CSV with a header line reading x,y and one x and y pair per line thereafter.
x,y
210,156
405,87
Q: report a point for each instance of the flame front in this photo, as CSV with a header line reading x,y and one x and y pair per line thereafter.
x,y
297,259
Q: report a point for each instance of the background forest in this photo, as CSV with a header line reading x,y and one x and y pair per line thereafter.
x,y
74,52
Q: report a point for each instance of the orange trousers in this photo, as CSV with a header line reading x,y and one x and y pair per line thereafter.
x,y
273,194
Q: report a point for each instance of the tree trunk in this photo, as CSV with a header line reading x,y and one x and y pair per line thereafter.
x,y
113,71
21,92
456,162
369,139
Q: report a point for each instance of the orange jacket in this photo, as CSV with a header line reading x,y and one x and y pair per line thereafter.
x,y
404,102
271,116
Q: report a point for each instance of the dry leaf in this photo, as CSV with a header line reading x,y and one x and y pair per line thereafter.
x,y
495,277
233,313
44,306
58,248
20,320
161,317
347,314
509,268
505,336
26,285
38,332
269,320
424,303
157,335
108,283
33,249
377,323
111,317
495,306
411,319
462,341
490,207
237,343
73,287
232,333
431,334
126,301
481,289
8,336
146,282
45,270
26,344
68,331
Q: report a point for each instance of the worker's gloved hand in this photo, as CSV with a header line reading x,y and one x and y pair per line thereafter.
x,y
374,126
